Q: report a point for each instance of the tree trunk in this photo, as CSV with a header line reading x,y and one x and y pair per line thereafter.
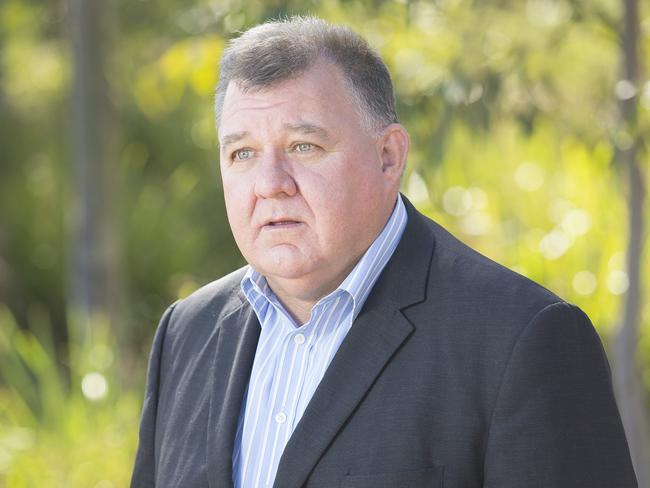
x,y
2,94
89,267
630,390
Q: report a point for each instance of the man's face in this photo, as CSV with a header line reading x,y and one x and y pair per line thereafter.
x,y
305,187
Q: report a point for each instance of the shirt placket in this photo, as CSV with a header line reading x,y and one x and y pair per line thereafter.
x,y
291,377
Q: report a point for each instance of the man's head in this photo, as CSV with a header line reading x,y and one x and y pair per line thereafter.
x,y
310,169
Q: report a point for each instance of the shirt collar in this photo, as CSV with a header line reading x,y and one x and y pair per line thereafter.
x,y
359,281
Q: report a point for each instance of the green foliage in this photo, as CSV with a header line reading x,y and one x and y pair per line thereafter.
x,y
60,434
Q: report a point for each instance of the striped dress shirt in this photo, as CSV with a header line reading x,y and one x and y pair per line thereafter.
x,y
291,359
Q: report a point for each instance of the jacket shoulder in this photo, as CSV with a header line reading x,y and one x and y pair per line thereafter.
x,y
462,274
208,305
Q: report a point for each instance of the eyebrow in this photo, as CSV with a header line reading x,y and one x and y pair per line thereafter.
x,y
234,137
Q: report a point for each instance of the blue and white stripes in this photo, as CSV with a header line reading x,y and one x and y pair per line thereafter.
x,y
290,361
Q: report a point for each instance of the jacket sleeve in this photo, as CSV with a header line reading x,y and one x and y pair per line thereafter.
x,y
144,471
555,421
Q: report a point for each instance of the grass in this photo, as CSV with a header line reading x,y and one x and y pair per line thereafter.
x,y
60,432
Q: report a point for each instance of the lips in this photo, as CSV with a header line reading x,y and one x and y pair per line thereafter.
x,y
281,222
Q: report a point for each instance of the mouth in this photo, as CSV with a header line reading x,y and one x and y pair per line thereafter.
x,y
281,224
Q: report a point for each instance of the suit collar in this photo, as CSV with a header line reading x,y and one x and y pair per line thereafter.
x,y
404,280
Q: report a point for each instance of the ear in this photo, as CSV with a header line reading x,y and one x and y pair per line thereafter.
x,y
393,147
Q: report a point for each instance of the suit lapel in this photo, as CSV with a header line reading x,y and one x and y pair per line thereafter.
x,y
230,373
362,356
377,333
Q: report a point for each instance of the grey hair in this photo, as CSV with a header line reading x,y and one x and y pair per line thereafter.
x,y
279,50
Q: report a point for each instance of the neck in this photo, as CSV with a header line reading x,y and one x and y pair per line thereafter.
x,y
299,310
298,297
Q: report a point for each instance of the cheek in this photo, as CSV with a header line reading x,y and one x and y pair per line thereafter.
x,y
239,203
335,198
354,191
355,204
237,187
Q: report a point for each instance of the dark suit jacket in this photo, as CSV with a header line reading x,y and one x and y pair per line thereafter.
x,y
457,373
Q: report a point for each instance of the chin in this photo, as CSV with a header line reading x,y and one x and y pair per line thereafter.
x,y
286,262
285,271
284,267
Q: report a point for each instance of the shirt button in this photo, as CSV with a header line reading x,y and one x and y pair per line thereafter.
x,y
281,418
299,339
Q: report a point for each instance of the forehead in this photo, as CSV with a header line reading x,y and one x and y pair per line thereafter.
x,y
319,95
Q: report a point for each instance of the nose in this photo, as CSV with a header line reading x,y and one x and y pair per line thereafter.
x,y
273,178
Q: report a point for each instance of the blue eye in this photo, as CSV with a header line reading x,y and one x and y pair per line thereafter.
x,y
242,154
303,147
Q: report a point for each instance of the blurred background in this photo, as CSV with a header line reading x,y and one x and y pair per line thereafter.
x,y
530,123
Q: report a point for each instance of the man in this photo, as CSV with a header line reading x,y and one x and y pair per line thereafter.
x,y
363,346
